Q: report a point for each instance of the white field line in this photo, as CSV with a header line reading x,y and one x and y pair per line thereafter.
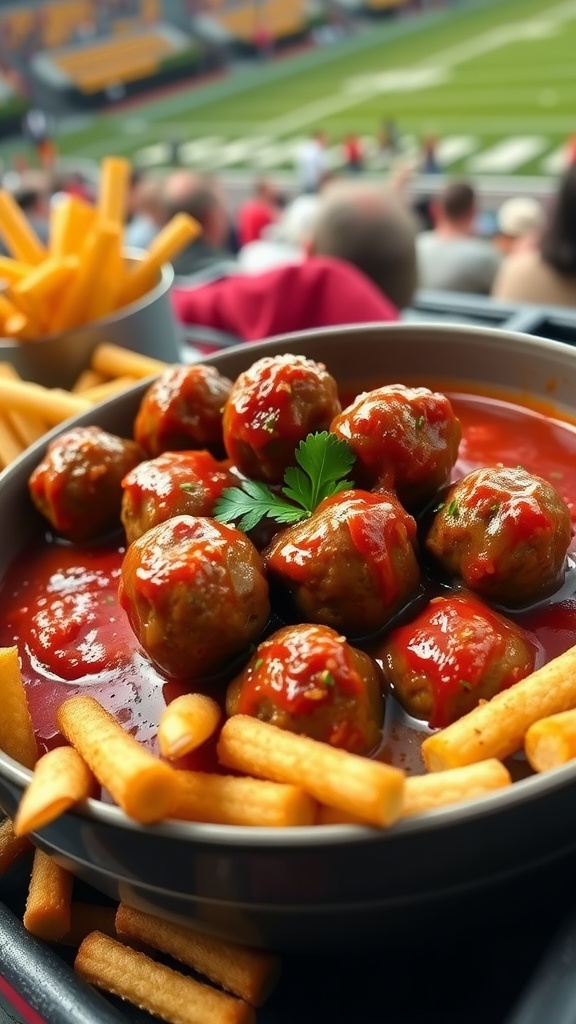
x,y
507,155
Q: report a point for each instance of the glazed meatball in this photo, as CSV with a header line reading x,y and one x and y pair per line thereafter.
x,y
77,486
272,407
351,565
405,439
505,533
195,594
456,653
173,484
182,410
307,679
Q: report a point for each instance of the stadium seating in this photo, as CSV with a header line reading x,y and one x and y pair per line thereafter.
x,y
119,59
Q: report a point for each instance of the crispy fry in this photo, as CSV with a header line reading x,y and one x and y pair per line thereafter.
x,y
99,392
497,727
247,973
551,741
114,361
166,993
179,232
426,792
52,405
86,918
13,270
12,847
61,778
28,428
47,912
45,281
10,444
15,228
16,730
231,800
94,256
70,221
88,379
145,788
113,190
186,723
370,789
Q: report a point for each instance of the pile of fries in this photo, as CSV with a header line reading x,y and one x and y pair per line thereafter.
x,y
81,275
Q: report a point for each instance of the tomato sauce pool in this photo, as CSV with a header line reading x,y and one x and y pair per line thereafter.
x,y
58,602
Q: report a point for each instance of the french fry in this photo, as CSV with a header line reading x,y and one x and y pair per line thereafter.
x,y
372,790
497,728
70,222
47,912
52,405
60,779
247,973
166,993
551,742
17,232
99,392
86,918
28,428
10,444
113,183
94,256
7,310
144,787
88,379
16,730
186,723
234,800
13,270
41,284
440,789
171,239
12,847
114,361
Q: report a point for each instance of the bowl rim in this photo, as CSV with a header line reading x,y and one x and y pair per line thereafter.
x,y
523,791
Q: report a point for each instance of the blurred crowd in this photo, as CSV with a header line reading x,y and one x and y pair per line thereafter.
x,y
338,248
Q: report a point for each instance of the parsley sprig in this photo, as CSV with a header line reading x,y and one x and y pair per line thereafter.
x,y
324,461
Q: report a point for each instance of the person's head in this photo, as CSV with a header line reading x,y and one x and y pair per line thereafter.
x,y
361,223
198,195
455,208
519,221
265,191
145,198
558,245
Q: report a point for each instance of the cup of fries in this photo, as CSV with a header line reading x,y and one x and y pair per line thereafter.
x,y
58,301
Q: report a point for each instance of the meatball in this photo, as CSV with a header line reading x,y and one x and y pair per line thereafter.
x,y
195,594
272,407
307,679
351,565
173,484
405,439
182,410
77,486
456,653
505,533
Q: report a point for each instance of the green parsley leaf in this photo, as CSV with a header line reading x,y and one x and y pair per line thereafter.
x,y
323,462
419,422
465,684
453,509
327,678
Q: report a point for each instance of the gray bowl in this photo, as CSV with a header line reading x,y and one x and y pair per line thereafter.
x,y
334,886
147,326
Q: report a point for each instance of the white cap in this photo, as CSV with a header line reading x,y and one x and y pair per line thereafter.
x,y
296,224
520,216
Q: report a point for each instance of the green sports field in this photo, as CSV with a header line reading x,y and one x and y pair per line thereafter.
x,y
495,81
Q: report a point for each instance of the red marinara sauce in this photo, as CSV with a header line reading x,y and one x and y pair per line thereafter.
x,y
59,604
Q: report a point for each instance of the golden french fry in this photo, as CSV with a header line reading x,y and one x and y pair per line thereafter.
x,y
17,232
28,428
168,994
51,404
101,241
86,918
113,184
551,741
61,778
17,737
42,283
12,847
497,727
10,444
114,361
186,723
145,788
247,973
99,392
70,222
173,237
88,379
47,912
21,326
13,270
370,789
234,800
104,299
7,311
